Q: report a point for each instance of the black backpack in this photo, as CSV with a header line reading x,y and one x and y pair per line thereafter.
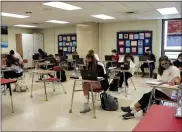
x,y
63,76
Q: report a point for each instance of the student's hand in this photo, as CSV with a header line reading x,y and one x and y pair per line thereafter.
x,y
171,83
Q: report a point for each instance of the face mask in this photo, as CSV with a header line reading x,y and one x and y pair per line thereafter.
x,y
166,66
179,60
128,59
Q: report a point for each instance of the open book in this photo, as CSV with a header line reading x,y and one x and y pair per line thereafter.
x,y
153,82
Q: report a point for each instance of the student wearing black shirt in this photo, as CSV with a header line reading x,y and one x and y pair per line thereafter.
x,y
178,61
42,54
93,64
150,56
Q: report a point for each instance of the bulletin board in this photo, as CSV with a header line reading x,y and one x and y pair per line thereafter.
x,y
134,42
67,42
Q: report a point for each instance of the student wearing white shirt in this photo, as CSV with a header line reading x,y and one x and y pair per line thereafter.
x,y
167,74
95,55
16,55
130,59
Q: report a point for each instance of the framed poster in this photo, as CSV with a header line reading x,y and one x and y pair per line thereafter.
x,y
134,42
67,42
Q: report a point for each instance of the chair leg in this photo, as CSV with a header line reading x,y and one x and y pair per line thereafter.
x,y
53,86
94,115
63,87
133,83
74,85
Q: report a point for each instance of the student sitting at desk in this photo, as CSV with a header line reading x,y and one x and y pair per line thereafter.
x,y
93,64
16,55
16,70
115,59
150,57
127,58
42,54
167,74
92,52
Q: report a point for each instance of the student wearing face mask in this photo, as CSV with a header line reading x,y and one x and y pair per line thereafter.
x,y
93,64
178,61
130,59
151,66
115,58
167,74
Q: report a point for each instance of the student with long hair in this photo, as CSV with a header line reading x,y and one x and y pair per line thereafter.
x,y
95,55
167,74
93,64
130,59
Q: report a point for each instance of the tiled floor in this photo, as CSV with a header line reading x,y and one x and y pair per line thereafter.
x,y
35,114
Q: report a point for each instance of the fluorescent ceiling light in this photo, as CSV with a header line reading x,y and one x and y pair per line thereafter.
x,y
102,16
20,25
13,15
56,21
62,5
168,11
83,25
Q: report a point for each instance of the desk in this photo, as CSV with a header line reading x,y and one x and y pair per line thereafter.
x,y
89,81
148,62
104,62
45,64
159,118
41,72
9,81
163,86
5,70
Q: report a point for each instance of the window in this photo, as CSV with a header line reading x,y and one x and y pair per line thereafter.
x,y
171,37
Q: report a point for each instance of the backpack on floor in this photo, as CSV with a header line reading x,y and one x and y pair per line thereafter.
x,y
108,102
63,76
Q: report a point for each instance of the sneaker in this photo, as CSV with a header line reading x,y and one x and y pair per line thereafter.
x,y
120,90
128,90
128,116
85,109
126,109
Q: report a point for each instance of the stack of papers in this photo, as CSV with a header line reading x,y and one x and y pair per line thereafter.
x,y
179,112
153,82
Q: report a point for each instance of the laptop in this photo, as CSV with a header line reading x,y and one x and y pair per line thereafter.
x,y
80,61
142,58
75,57
123,65
89,75
108,57
35,57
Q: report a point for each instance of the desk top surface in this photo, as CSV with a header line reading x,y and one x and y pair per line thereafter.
x,y
159,118
7,81
39,71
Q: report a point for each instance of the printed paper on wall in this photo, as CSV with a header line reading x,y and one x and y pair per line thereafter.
x,y
133,43
131,36
120,36
127,50
121,43
141,35
127,43
134,50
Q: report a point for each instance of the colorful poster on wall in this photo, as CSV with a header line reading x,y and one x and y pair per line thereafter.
x,y
73,38
60,44
121,43
141,35
121,50
65,49
61,48
68,38
64,38
140,50
4,40
60,38
71,44
67,44
127,50
134,50
133,43
64,44
136,36
120,36
73,49
147,41
69,49
131,36
147,35
140,43
127,43
125,36
74,43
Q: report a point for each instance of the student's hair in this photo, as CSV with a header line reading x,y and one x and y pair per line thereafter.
x,y
11,52
161,69
11,60
94,62
114,51
40,50
129,55
180,55
51,56
148,49
91,51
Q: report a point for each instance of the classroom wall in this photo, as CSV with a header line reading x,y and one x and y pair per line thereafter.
x,y
12,38
108,34
51,37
